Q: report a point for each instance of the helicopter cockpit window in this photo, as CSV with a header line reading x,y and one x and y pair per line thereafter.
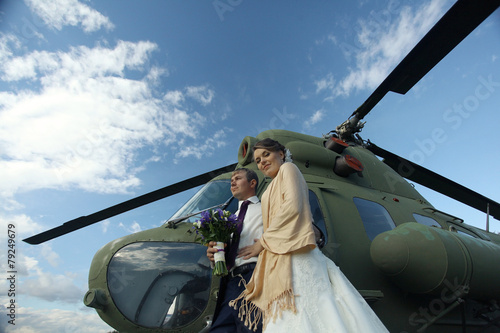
x,y
212,194
318,218
375,217
160,284
425,220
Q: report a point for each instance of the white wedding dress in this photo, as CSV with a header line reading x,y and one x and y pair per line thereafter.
x,y
325,300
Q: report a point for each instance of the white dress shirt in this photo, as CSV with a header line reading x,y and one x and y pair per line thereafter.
x,y
252,228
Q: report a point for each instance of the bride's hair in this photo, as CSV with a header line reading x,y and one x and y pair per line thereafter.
x,y
271,145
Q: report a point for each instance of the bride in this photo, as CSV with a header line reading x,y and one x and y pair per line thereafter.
x,y
294,287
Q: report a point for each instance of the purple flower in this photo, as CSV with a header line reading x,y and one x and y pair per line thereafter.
x,y
205,215
215,225
220,212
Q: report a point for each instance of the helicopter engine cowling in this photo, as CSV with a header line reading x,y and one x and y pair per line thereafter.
x,y
429,260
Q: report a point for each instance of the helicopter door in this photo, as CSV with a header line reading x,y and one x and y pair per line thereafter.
x,y
318,219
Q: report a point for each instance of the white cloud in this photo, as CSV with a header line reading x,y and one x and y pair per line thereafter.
x,y
155,73
31,320
58,68
315,118
32,280
329,38
52,287
205,147
59,13
180,123
24,265
174,97
7,42
136,227
327,83
105,225
332,39
202,94
382,46
8,201
84,121
49,255
23,225
132,229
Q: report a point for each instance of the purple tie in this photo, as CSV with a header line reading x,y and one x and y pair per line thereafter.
x,y
233,247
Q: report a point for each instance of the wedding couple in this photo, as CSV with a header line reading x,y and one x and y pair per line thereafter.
x,y
280,281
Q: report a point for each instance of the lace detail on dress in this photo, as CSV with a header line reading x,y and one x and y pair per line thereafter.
x,y
308,287
326,301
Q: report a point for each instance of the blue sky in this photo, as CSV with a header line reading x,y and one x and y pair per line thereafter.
x,y
101,101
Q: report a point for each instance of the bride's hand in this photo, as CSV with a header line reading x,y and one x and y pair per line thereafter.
x,y
250,251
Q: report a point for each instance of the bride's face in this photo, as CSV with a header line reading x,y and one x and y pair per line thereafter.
x,y
269,162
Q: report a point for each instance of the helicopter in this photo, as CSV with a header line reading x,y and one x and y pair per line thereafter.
x,y
423,270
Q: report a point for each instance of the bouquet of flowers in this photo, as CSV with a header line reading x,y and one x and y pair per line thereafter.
x,y
216,225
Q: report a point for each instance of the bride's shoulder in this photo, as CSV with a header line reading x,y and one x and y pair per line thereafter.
x,y
288,169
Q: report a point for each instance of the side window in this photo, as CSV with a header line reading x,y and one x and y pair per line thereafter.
x,y
319,220
232,206
211,194
461,231
425,220
375,217
465,233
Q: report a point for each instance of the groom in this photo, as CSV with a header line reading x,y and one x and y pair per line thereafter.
x,y
243,185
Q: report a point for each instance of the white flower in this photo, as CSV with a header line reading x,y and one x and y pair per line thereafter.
x,y
288,155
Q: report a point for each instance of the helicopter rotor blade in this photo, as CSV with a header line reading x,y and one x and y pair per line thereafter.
x,y
462,18
125,206
436,182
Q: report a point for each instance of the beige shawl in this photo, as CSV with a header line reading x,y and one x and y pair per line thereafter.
x,y
287,220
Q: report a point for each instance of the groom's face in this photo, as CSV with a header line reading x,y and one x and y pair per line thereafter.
x,y
241,188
